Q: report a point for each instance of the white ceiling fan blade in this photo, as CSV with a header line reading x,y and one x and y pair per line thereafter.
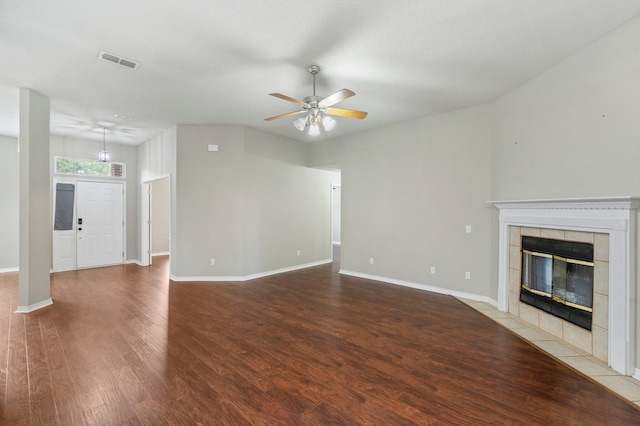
x,y
287,98
289,114
339,96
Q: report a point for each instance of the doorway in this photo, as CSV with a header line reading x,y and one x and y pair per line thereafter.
x,y
160,218
89,224
100,224
156,229
336,208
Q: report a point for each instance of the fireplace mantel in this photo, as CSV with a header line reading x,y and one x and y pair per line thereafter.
x,y
616,216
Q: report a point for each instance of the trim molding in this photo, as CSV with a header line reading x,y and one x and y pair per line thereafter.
x,y
34,307
160,253
590,203
3,270
239,278
424,287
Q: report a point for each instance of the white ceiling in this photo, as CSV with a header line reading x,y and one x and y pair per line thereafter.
x,y
205,61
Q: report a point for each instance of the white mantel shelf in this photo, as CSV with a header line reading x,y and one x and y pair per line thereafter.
x,y
606,203
616,216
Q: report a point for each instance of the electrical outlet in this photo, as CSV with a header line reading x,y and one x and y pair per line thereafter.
x,y
298,252
371,260
467,275
468,229
213,262
433,269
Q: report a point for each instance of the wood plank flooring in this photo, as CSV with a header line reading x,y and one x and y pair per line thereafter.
x,y
124,345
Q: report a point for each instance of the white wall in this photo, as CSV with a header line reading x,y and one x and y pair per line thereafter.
x,y
157,156
409,190
574,130
10,204
209,201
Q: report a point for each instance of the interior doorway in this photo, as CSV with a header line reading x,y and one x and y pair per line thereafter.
x,y
156,229
336,208
160,218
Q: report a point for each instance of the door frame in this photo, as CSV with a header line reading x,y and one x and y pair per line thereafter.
x,y
146,223
74,180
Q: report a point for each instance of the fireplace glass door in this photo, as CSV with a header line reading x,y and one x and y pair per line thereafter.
x,y
557,278
573,282
537,272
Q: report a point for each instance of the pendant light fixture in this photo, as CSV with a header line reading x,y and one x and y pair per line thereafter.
x,y
103,156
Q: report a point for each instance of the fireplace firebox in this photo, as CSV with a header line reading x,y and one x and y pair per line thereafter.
x,y
557,277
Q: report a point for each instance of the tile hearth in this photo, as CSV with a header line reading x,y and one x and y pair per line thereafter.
x,y
574,357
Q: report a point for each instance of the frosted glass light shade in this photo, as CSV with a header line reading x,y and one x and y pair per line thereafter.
x,y
301,123
314,129
328,123
103,156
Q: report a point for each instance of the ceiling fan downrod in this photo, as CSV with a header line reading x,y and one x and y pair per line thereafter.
x,y
313,70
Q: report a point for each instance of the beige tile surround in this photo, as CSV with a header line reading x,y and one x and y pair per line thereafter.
x,y
593,342
587,364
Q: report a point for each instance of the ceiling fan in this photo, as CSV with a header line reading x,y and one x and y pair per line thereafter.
x,y
317,110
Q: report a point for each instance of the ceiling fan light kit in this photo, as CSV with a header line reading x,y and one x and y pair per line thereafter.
x,y
317,110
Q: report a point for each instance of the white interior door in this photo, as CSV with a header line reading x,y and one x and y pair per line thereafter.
x,y
100,224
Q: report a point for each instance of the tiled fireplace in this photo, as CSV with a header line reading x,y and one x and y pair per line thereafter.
x,y
610,225
594,342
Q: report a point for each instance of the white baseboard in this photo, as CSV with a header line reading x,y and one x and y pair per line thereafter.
x,y
162,253
33,307
238,278
3,270
419,286
637,375
204,278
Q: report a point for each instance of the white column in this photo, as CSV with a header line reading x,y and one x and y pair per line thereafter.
x,y
622,296
503,271
35,208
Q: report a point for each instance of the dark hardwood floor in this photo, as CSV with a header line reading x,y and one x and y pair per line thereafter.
x,y
124,345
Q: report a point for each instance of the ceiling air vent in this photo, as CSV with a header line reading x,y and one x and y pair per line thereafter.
x,y
118,60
